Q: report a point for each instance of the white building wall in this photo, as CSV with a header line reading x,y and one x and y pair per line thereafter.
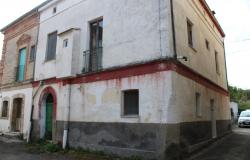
x,y
134,31
102,101
5,124
235,107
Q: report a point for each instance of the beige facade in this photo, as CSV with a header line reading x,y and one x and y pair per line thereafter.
x,y
200,59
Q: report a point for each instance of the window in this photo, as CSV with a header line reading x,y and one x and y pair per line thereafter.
x,y
65,43
198,105
21,67
5,109
54,10
32,53
131,103
207,44
190,33
94,55
217,63
96,31
51,46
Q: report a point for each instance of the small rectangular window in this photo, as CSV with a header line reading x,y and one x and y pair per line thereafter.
x,y
5,109
65,43
51,46
131,103
190,33
54,10
198,105
217,63
207,45
32,53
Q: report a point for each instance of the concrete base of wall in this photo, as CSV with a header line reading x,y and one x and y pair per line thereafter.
x,y
151,141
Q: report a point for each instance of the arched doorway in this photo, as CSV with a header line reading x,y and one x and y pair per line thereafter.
x,y
47,106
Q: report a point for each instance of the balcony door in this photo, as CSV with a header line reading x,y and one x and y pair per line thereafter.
x,y
21,64
96,31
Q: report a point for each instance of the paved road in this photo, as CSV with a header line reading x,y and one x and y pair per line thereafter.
x,y
233,147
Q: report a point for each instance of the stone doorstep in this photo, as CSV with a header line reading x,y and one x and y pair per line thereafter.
x,y
10,135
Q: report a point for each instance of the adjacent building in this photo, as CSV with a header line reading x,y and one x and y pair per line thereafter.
x,y
144,78
17,63
234,106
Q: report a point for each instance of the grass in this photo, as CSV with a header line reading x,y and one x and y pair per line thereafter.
x,y
79,154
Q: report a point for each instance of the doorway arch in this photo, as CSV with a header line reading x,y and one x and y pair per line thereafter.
x,y
47,113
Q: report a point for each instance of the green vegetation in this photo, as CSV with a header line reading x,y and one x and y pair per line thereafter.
x,y
240,96
79,154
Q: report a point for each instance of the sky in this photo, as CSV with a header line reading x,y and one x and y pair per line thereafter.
x,y
233,16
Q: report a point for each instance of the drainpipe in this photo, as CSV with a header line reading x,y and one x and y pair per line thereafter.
x,y
31,112
40,85
67,116
173,29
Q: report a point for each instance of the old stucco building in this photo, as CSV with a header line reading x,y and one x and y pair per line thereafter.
x,y
140,77
17,73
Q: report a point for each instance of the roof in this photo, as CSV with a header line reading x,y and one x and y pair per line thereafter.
x,y
34,10
212,17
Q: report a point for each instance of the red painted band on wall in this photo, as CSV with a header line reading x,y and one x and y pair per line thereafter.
x,y
141,69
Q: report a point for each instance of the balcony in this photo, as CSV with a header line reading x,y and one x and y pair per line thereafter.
x,y
20,72
92,60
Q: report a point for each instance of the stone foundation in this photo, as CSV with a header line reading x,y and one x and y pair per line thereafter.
x,y
151,141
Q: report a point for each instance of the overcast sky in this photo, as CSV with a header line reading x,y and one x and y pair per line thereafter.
x,y
233,16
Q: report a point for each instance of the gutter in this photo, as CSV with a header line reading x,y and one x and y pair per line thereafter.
x,y
225,65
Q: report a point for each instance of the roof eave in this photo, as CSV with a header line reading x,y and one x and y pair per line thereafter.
x,y
212,17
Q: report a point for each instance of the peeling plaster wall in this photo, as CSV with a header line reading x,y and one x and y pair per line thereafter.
x,y
134,31
101,101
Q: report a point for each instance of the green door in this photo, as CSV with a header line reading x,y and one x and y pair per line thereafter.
x,y
21,65
49,121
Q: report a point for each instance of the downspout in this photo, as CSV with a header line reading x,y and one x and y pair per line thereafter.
x,y
173,29
40,85
67,117
225,64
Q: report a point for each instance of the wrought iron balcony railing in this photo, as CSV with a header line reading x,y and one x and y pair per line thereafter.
x,y
20,72
92,60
